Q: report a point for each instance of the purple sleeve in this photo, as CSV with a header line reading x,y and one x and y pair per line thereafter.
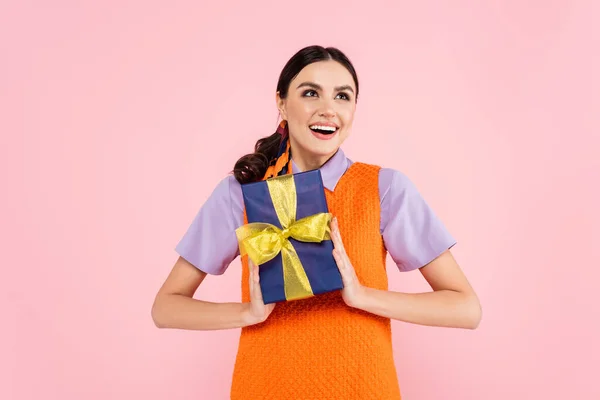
x,y
210,243
413,235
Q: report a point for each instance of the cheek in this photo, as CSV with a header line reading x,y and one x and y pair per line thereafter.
x,y
300,111
347,115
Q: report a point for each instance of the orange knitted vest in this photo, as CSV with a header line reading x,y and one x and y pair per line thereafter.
x,y
319,348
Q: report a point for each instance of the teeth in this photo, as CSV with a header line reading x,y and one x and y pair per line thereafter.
x,y
323,128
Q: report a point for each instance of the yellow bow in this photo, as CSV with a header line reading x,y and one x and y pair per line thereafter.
x,y
262,241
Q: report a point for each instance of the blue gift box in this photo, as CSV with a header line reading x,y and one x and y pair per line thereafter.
x,y
316,258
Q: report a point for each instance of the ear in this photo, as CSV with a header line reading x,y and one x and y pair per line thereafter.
x,y
281,106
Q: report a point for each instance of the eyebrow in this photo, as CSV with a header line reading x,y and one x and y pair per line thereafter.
x,y
318,87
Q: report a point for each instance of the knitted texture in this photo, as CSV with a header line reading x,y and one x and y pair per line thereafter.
x,y
319,348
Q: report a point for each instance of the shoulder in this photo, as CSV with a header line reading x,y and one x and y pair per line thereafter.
x,y
225,201
229,191
210,242
396,193
390,180
393,180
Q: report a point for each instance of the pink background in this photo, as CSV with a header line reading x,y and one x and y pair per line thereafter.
x,y
119,118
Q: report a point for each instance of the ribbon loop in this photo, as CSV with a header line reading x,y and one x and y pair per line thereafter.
x,y
262,241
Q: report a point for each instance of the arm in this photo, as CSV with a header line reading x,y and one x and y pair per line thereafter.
x,y
175,308
452,303
208,246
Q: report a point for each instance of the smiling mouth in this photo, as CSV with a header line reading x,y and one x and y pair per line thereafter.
x,y
323,130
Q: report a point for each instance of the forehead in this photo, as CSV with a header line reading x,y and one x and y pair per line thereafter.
x,y
327,74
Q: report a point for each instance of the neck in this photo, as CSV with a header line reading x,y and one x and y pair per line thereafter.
x,y
308,163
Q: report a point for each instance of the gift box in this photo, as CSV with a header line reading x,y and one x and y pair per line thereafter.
x,y
288,237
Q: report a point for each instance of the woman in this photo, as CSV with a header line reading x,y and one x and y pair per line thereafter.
x,y
336,345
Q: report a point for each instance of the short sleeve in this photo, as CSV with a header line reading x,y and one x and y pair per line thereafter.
x,y
210,243
413,234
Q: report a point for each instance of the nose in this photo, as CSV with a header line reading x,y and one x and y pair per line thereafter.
x,y
327,111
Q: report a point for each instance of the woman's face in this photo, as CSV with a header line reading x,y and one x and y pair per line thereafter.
x,y
319,109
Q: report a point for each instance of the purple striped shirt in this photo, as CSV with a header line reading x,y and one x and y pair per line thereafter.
x,y
412,233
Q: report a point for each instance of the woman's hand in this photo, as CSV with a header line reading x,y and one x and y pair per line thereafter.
x,y
257,311
353,291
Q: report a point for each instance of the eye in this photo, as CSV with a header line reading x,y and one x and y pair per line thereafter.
x,y
344,96
309,93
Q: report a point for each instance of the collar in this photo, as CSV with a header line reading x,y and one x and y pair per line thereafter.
x,y
332,170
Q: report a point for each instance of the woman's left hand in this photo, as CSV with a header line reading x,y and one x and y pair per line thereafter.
x,y
353,291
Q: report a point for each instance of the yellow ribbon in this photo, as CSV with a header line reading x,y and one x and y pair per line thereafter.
x,y
263,242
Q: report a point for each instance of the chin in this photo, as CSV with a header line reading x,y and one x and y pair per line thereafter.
x,y
318,148
324,149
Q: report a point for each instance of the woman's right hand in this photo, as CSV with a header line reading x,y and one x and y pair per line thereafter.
x,y
257,310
